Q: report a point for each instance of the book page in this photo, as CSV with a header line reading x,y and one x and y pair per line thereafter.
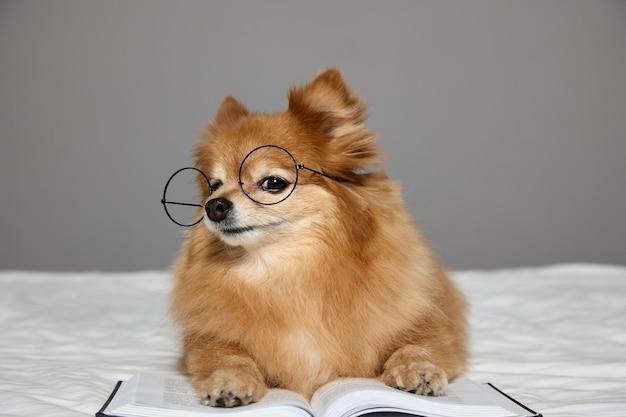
x,y
502,399
165,391
125,393
154,395
354,397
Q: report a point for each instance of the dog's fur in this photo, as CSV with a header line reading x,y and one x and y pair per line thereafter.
x,y
332,282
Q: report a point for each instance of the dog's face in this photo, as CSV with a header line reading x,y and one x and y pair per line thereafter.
x,y
276,177
257,193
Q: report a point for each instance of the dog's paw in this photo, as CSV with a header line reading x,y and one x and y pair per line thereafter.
x,y
417,377
230,388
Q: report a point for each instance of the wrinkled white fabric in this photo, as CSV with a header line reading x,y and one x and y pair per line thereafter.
x,y
553,337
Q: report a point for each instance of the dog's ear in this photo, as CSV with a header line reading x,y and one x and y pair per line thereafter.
x,y
228,113
327,103
327,106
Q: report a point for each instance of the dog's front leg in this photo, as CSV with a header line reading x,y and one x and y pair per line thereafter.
x,y
222,375
410,368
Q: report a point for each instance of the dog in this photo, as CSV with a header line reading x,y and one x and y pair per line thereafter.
x,y
306,267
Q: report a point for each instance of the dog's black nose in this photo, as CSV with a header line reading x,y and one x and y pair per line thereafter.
x,y
217,208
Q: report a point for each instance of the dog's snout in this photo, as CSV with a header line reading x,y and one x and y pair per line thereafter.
x,y
217,208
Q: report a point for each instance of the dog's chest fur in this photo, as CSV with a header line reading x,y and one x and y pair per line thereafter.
x,y
306,336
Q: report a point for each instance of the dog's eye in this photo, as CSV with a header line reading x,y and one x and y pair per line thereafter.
x,y
215,186
273,184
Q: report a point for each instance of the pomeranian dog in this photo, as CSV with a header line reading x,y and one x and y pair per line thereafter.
x,y
306,266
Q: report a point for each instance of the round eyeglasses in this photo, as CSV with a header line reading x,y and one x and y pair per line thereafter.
x,y
268,175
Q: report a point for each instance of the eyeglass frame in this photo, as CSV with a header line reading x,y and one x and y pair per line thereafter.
x,y
297,167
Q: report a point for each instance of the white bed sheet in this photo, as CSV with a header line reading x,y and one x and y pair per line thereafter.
x,y
553,337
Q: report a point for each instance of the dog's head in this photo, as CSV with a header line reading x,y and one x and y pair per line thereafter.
x,y
283,175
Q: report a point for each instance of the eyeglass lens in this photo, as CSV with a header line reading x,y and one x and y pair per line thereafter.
x,y
181,196
268,175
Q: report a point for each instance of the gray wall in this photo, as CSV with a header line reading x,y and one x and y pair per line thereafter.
x,y
506,121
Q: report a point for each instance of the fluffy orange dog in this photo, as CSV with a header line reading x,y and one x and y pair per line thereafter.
x,y
306,266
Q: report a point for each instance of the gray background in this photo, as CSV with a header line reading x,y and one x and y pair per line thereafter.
x,y
505,121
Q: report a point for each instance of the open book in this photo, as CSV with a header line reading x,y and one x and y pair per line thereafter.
x,y
152,395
